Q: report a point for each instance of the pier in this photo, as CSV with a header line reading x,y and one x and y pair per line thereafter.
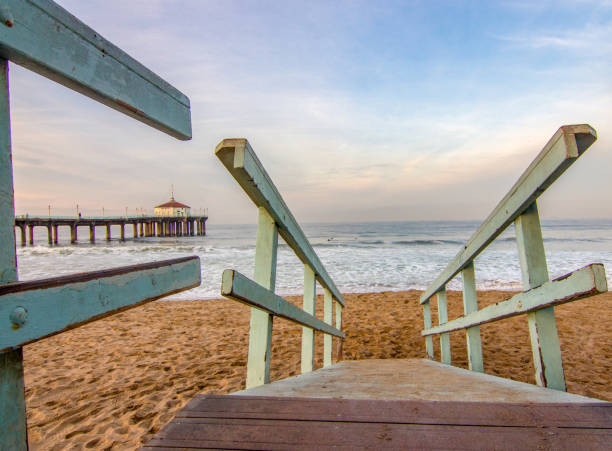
x,y
143,226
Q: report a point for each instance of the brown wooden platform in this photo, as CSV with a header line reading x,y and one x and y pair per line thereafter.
x,y
252,422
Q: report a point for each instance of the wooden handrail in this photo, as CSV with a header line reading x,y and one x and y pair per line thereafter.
x,y
240,288
240,160
566,145
585,282
47,39
540,295
275,218
37,309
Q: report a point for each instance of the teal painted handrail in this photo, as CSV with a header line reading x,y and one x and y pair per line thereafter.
x,y
275,218
43,37
541,295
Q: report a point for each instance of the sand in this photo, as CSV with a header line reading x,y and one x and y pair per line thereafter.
x,y
114,383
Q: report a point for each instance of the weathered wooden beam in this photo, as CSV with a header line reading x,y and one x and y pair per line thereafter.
x,y
445,348
472,334
261,323
327,317
240,160
429,347
41,308
13,428
240,288
309,303
545,345
339,328
566,145
585,282
45,38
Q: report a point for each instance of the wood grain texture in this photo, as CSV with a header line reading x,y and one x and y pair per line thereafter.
x,y
566,145
472,334
309,300
240,160
13,433
47,39
240,288
255,423
58,304
545,346
327,317
585,282
445,349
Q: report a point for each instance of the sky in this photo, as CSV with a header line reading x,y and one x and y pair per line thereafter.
x,y
359,110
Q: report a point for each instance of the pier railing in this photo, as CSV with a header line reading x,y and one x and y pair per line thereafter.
x,y
275,218
541,294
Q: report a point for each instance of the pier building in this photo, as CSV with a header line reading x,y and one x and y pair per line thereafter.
x,y
172,208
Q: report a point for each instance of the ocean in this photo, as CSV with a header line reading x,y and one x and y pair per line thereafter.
x,y
360,257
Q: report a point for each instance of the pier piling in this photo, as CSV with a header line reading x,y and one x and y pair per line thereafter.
x,y
142,226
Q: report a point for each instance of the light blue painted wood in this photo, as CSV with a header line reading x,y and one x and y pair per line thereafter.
x,y
585,282
240,288
545,345
308,337
566,145
339,328
445,349
240,160
46,39
260,330
472,334
57,304
327,317
13,429
429,347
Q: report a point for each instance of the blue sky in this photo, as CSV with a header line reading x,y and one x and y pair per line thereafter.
x,y
359,110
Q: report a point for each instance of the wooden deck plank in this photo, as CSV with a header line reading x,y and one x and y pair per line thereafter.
x,y
354,424
588,415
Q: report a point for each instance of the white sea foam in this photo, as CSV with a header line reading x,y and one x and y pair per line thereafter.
x,y
361,257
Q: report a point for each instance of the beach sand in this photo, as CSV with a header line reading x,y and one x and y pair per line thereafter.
x,y
114,383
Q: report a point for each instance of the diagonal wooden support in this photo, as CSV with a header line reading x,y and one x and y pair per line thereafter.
x,y
45,38
37,309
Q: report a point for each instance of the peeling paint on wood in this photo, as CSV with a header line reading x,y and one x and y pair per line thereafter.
x,y
261,323
58,304
472,334
585,282
566,145
47,39
445,349
240,160
327,317
240,288
309,303
545,346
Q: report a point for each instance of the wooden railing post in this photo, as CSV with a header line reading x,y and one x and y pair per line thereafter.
x,y
429,347
327,317
545,345
445,350
309,307
472,334
260,333
13,431
339,327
